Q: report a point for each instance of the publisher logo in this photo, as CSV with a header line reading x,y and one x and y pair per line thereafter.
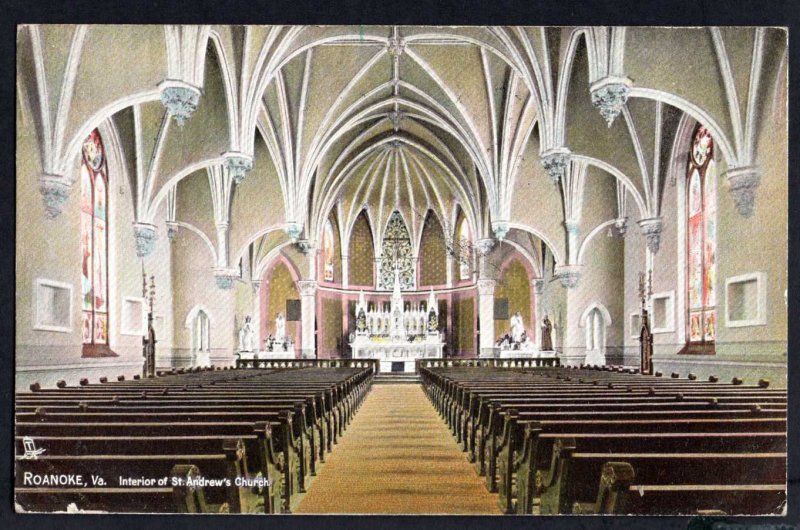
x,y
31,451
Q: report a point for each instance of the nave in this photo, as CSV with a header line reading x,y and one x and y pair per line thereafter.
x,y
321,437
398,457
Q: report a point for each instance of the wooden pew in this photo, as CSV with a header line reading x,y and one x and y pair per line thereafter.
x,y
516,415
568,481
295,413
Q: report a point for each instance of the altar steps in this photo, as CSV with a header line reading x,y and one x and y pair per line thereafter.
x,y
396,378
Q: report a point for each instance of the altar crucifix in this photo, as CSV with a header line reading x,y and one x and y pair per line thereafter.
x,y
645,335
149,340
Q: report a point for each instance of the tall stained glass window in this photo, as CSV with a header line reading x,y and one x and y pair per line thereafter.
x,y
327,252
94,245
465,256
396,253
701,208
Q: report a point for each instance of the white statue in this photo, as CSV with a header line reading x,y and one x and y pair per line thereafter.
x,y
517,327
280,328
246,335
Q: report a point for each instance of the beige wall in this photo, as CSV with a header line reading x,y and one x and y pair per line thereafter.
x,y
50,249
744,245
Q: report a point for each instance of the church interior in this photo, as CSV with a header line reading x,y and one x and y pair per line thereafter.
x,y
322,230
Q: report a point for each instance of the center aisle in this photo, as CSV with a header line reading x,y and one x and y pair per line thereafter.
x,y
397,456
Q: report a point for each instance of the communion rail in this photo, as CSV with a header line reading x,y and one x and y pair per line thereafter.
x,y
521,362
308,363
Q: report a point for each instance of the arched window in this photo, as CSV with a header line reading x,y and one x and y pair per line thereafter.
x,y
595,331
327,252
701,207
396,253
201,332
94,246
465,257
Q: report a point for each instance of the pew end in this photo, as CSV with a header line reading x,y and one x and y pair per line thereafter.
x,y
612,495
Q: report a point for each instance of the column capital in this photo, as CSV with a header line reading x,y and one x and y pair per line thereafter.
x,y
225,277
55,192
573,226
307,287
651,229
609,96
238,165
172,230
180,99
500,229
146,236
306,246
486,287
569,275
485,245
538,285
555,162
293,229
743,182
621,227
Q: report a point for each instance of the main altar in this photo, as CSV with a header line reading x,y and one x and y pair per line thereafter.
x,y
399,336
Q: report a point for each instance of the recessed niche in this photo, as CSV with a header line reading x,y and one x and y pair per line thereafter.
x,y
745,300
663,312
158,325
636,325
52,306
133,316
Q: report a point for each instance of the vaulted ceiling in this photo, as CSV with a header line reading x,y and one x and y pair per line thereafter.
x,y
336,118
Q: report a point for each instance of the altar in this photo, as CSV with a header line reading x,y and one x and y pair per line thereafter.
x,y
276,347
393,356
399,336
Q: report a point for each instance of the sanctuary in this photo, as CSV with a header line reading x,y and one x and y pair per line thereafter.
x,y
399,336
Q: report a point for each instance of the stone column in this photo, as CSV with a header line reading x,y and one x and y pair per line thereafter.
x,y
308,313
486,317
450,273
345,271
538,289
256,319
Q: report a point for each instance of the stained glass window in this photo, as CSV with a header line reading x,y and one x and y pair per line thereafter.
x,y
396,253
327,252
701,241
94,243
465,256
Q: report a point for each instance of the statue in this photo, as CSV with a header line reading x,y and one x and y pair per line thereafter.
x,y
517,328
646,345
433,322
361,321
149,349
547,334
280,328
645,335
149,340
246,335
527,343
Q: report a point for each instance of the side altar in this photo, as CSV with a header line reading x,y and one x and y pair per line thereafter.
x,y
278,346
399,336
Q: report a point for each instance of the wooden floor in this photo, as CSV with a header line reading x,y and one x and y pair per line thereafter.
x,y
397,456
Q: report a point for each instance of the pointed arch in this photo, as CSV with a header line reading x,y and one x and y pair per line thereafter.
x,y
94,241
432,252
397,254
361,252
330,256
